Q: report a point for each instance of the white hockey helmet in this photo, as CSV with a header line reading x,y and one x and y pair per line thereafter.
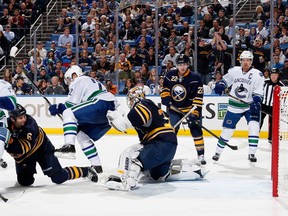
x,y
134,95
246,55
68,76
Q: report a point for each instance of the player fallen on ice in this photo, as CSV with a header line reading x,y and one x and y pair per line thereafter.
x,y
153,155
28,144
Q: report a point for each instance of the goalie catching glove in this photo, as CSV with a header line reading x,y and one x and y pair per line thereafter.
x,y
117,120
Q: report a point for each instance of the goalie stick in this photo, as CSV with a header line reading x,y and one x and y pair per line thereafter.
x,y
12,55
17,195
209,131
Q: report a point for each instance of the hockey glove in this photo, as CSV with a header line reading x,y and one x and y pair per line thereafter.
x,y
220,87
56,109
117,120
255,108
193,119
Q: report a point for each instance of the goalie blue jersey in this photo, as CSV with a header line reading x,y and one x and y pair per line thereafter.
x,y
151,123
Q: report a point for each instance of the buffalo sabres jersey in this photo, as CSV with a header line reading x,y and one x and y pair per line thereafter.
x,y
151,123
24,142
182,92
85,88
243,86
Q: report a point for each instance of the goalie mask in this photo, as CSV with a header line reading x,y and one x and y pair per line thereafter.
x,y
73,72
134,95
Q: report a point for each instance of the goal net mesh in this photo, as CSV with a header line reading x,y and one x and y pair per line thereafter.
x,y
280,142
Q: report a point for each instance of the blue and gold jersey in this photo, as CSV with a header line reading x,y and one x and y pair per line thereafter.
x,y
24,142
182,92
151,123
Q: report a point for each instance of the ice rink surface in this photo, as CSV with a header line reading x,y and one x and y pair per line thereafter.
x,y
232,187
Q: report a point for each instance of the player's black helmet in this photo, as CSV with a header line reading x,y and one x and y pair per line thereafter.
x,y
181,59
19,111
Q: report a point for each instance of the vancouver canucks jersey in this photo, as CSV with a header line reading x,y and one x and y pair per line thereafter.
x,y
244,85
85,88
151,123
7,96
24,142
182,92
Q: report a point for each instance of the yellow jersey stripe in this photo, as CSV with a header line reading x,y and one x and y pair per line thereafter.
x,y
76,171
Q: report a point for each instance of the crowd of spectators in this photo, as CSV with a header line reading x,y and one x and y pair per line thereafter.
x,y
96,24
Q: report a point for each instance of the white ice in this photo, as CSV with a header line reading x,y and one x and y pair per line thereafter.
x,y
232,187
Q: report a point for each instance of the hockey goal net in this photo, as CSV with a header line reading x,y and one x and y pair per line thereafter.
x,y
280,142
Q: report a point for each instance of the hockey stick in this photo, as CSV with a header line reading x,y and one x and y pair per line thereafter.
x,y
267,113
209,131
3,198
242,101
12,55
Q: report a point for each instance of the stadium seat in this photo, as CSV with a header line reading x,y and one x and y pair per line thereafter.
x,y
242,25
178,27
250,25
55,37
131,42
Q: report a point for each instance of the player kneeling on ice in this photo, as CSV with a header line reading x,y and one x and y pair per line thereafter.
x,y
245,99
158,144
28,144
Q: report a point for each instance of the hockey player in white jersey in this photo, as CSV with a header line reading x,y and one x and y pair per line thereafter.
x,y
247,85
7,102
84,115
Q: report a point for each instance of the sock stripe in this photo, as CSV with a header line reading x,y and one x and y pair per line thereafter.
x,y
91,146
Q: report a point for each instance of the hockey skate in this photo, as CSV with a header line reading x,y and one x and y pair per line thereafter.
x,y
252,158
3,164
92,174
202,160
216,157
98,168
66,151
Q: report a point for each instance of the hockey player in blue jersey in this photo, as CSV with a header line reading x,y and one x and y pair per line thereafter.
x,y
182,90
84,115
28,144
7,102
153,155
247,85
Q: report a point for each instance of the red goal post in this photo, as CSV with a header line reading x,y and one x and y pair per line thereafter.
x,y
279,165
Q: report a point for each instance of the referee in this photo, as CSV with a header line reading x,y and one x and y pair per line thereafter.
x,y
267,102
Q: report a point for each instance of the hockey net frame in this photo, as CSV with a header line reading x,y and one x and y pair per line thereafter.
x,y
279,163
